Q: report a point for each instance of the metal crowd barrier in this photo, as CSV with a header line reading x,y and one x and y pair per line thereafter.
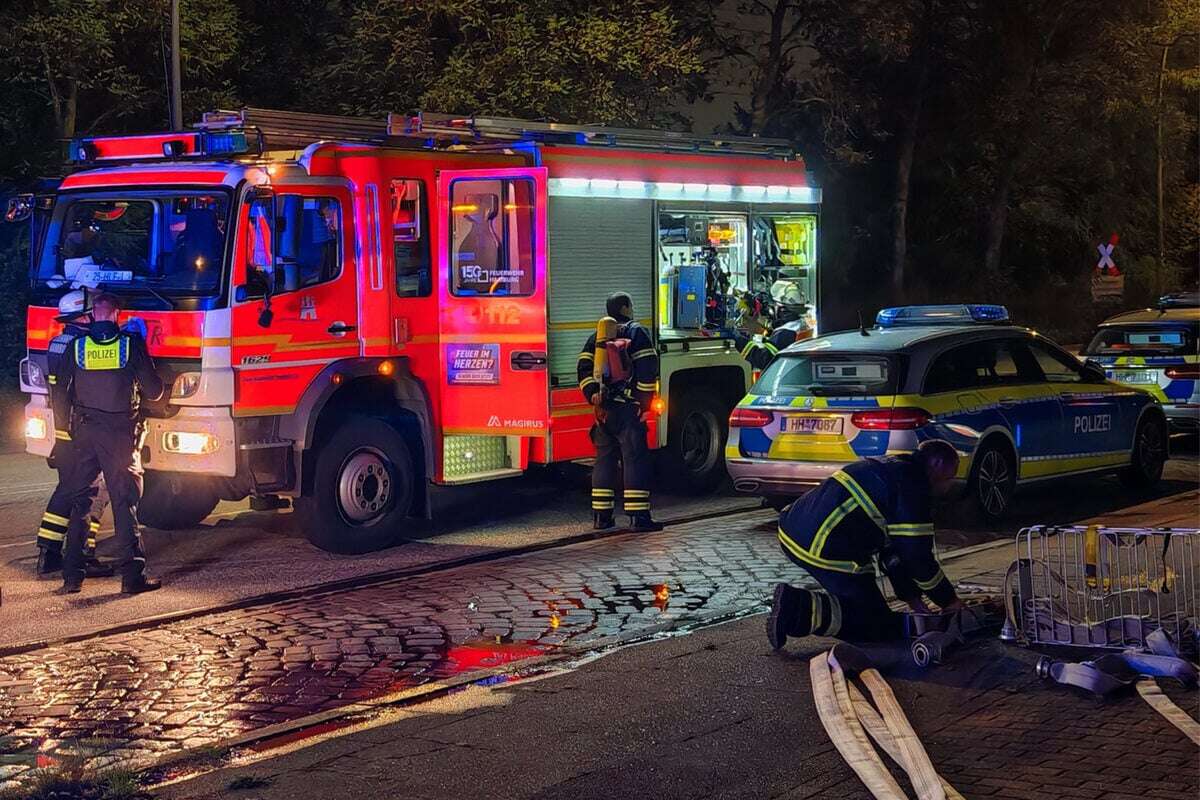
x,y
1093,586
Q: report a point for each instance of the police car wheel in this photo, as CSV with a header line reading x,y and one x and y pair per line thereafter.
x,y
1148,456
362,489
993,480
173,501
695,463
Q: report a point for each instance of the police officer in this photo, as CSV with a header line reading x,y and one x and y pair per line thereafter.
x,y
99,385
877,508
619,433
75,314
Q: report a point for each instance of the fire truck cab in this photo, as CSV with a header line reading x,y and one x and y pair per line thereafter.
x,y
349,311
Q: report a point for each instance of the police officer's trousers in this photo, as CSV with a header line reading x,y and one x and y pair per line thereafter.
x,y
851,607
108,447
621,449
52,533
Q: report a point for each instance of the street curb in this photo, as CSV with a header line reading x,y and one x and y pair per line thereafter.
x,y
435,689
432,691
358,582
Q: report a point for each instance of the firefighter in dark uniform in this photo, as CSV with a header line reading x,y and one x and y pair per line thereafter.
x,y
874,509
99,386
753,336
619,432
75,313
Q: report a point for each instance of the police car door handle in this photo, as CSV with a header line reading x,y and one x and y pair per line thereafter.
x,y
1007,401
340,328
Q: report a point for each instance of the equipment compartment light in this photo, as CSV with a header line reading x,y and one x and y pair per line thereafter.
x,y
35,428
189,443
603,183
185,385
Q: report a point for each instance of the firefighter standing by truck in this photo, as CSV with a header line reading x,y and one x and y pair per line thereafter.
x,y
618,375
874,509
76,315
96,411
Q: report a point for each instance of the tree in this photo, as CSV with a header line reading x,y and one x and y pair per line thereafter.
x,y
85,63
625,62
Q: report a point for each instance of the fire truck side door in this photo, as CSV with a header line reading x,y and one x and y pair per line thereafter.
x,y
492,255
314,309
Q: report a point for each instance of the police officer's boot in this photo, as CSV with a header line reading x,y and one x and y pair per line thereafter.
x,y
72,584
133,581
791,614
95,568
641,521
48,561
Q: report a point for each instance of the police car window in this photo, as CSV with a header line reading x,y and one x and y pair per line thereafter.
x,y
491,237
1057,367
410,238
829,376
1145,340
977,365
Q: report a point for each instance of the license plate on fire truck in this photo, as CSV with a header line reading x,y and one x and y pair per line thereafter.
x,y
811,424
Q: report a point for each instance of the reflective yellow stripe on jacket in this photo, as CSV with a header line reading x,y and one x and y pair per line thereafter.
x,y
863,499
816,561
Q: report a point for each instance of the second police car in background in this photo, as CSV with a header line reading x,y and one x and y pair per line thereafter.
x,y
1157,349
1016,406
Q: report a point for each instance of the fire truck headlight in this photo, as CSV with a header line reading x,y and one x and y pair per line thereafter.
x,y
35,428
189,443
185,385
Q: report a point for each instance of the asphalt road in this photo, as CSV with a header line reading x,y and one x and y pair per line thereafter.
x,y
237,553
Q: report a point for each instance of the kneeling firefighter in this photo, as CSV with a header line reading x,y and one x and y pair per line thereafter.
x,y
618,374
74,311
874,509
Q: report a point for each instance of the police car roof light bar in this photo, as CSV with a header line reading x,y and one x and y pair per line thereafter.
x,y
965,314
1179,300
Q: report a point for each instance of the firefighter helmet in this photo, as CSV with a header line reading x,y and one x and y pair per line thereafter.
x,y
73,305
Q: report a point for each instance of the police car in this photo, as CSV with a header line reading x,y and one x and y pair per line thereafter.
x,y
1016,406
1157,349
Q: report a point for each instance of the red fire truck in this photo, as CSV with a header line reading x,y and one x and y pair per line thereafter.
x,y
349,311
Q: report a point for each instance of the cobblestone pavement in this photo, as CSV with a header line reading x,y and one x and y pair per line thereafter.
x,y
145,693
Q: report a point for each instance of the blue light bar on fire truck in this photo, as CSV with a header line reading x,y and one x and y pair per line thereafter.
x,y
162,146
900,316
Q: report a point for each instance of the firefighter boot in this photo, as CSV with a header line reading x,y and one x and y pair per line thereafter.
x,y
134,582
791,614
602,508
72,584
640,521
48,561
95,568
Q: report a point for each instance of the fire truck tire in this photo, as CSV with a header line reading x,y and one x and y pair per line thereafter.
x,y
171,500
694,460
1148,456
362,490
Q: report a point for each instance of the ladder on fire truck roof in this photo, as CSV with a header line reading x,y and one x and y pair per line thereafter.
x,y
294,129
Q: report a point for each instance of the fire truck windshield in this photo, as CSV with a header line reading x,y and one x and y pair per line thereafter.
x,y
163,243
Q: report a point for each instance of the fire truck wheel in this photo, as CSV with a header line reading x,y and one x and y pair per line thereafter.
x,y
171,500
362,489
694,461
